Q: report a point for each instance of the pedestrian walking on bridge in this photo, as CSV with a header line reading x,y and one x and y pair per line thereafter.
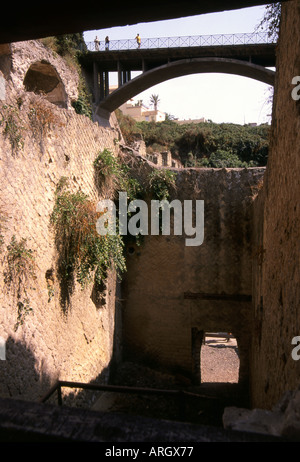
x,y
138,40
96,41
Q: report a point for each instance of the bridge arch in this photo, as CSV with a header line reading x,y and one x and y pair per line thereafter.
x,y
178,69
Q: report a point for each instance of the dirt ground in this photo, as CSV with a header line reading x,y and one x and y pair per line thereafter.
x,y
219,361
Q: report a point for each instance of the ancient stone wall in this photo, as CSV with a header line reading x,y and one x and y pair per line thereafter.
x,y
39,144
163,159
277,271
174,292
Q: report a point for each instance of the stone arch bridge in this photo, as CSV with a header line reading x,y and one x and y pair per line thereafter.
x,y
160,59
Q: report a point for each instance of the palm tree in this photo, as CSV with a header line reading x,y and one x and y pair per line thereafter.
x,y
154,100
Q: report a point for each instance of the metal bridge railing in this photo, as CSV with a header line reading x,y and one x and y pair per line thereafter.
x,y
184,41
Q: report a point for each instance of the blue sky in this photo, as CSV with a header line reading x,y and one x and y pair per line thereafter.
x,y
219,97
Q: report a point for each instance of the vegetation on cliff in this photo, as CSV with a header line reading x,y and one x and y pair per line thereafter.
x,y
68,46
271,20
203,144
82,251
19,275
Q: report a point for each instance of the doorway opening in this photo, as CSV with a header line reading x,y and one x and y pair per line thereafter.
x,y
219,358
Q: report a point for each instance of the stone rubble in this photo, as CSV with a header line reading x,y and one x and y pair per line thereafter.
x,y
282,420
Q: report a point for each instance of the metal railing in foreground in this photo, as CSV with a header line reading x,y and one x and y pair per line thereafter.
x,y
178,395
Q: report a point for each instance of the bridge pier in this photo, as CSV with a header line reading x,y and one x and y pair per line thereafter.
x,y
96,82
101,83
104,84
123,75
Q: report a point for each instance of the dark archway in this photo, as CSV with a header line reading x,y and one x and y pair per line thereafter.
x,y
179,69
42,78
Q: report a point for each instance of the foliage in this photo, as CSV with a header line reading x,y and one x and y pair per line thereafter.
x,y
19,273
81,249
154,100
129,184
194,143
161,183
68,47
3,219
127,126
161,133
13,127
221,159
271,20
42,116
82,105
69,44
108,166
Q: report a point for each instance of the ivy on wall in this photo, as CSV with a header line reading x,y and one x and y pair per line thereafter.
x,y
83,253
13,126
161,183
19,275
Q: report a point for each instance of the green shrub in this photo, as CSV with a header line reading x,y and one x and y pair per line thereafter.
x,y
193,142
128,126
222,159
82,251
108,166
161,182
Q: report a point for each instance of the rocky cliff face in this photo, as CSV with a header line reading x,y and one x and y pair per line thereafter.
x,y
40,142
37,68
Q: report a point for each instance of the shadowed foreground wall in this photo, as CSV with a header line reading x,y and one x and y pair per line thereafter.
x,y
277,218
160,322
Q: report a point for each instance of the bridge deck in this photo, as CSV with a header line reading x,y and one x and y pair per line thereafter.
x,y
253,38
257,48
146,59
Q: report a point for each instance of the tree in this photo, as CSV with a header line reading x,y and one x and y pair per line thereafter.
x,y
271,24
170,117
154,100
271,20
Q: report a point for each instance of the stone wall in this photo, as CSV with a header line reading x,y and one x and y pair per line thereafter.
x,y
173,293
72,344
277,272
